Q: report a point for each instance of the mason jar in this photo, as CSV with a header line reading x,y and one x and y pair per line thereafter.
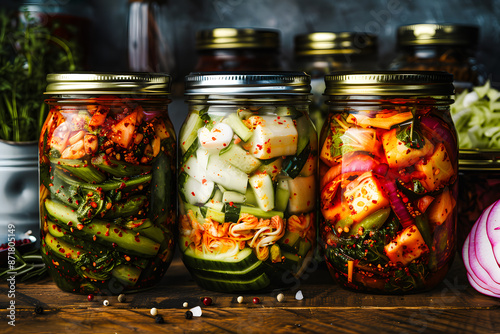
x,y
247,180
441,47
388,180
107,179
479,181
238,49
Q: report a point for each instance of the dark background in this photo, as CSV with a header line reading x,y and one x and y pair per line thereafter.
x,y
109,22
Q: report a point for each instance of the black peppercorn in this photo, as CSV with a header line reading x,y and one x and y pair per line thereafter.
x,y
159,319
189,315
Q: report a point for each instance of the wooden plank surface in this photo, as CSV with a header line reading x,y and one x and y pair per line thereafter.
x,y
452,307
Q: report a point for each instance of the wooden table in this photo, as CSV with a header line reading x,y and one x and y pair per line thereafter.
x,y
453,307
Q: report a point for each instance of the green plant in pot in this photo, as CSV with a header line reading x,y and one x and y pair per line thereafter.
x,y
28,52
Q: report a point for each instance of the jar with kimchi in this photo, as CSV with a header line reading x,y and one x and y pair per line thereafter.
x,y
388,171
247,180
441,47
107,175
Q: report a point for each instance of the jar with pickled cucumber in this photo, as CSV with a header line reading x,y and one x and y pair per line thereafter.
x,y
107,177
247,180
388,180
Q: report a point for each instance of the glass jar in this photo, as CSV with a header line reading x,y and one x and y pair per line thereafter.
x,y
247,180
441,47
107,179
320,53
68,22
479,179
149,37
242,49
388,170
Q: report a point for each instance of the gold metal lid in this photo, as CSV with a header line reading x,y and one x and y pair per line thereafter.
x,y
476,160
437,34
108,83
248,83
241,38
389,83
328,43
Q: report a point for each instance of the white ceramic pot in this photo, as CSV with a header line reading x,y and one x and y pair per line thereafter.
x,y
19,188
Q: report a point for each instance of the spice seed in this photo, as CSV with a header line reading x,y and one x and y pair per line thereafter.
x,y
159,319
105,302
122,298
90,297
189,315
280,297
154,311
185,304
240,299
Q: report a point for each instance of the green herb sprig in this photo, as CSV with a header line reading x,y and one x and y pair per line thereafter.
x,y
28,52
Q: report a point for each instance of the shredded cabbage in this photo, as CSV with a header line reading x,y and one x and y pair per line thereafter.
x,y
476,115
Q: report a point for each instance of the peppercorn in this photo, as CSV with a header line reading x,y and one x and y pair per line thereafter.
x,y
154,311
240,299
38,309
105,302
185,304
207,301
90,297
159,319
256,300
122,298
188,315
280,297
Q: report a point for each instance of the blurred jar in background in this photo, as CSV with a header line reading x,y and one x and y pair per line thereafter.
x,y
68,20
441,47
320,53
242,49
149,48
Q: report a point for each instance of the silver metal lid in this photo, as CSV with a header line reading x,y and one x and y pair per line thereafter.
x,y
108,83
248,83
477,160
389,83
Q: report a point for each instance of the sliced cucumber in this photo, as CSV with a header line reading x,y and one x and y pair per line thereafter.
x,y
238,126
233,196
103,232
240,158
218,216
195,192
80,169
225,174
241,261
271,167
118,168
189,131
262,185
251,272
282,194
290,241
217,284
259,213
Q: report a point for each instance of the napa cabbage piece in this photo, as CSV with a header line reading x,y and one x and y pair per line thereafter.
x,y
476,115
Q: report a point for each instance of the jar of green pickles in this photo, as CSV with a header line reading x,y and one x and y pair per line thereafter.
x,y
388,171
107,175
247,179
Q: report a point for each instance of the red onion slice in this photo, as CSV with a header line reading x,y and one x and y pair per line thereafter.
x,y
493,231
